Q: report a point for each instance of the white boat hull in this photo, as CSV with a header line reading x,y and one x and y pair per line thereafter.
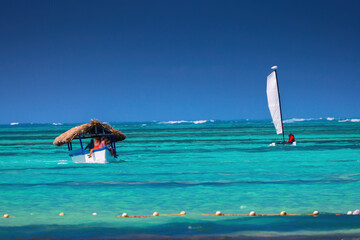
x,y
274,144
102,156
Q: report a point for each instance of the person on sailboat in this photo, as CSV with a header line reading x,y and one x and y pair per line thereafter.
x,y
291,139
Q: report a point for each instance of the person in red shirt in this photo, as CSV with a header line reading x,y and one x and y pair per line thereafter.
x,y
98,144
291,139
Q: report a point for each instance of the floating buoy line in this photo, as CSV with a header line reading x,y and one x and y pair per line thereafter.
x,y
218,213
253,214
282,213
155,214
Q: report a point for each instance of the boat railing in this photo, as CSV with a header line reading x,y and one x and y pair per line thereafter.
x,y
111,137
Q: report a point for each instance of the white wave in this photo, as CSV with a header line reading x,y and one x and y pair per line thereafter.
x,y
143,125
57,124
63,162
173,122
199,121
292,120
14,123
184,121
350,120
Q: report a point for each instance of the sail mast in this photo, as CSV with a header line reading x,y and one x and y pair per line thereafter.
x,y
277,84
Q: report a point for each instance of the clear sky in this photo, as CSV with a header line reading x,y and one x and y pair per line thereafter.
x,y
70,61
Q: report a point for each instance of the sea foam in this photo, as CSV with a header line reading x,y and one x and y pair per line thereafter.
x,y
350,120
184,121
292,120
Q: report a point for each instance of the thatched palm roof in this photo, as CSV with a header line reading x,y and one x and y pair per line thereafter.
x,y
92,129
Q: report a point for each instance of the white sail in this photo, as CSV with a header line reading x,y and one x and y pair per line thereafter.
x,y
274,102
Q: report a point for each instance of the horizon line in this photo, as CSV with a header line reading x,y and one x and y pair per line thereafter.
x,y
189,121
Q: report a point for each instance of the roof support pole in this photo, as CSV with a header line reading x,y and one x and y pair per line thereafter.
x,y
81,143
113,141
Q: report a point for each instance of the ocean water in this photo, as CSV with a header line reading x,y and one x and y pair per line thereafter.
x,y
195,166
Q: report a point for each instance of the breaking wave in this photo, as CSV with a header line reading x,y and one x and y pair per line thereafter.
x,y
57,124
14,123
350,120
184,121
292,120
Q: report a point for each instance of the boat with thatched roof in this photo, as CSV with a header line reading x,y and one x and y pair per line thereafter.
x,y
94,129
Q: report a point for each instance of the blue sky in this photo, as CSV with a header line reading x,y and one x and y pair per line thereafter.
x,y
70,61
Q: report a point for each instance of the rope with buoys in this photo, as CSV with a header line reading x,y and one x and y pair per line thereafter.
x,y
155,214
218,213
253,214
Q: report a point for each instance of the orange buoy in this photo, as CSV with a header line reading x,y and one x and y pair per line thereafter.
x,y
155,214
283,213
252,213
124,215
61,214
182,213
218,213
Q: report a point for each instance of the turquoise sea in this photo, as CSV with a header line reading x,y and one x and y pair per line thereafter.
x,y
199,167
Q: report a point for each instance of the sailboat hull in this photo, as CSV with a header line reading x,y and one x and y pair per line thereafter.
x,y
281,144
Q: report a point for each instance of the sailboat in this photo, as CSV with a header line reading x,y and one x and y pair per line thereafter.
x,y
274,103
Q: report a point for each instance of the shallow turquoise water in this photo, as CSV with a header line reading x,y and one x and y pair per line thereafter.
x,y
198,168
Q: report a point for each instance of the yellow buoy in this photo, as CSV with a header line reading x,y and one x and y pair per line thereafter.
x,y
124,215
61,214
218,213
182,213
252,213
283,213
155,214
